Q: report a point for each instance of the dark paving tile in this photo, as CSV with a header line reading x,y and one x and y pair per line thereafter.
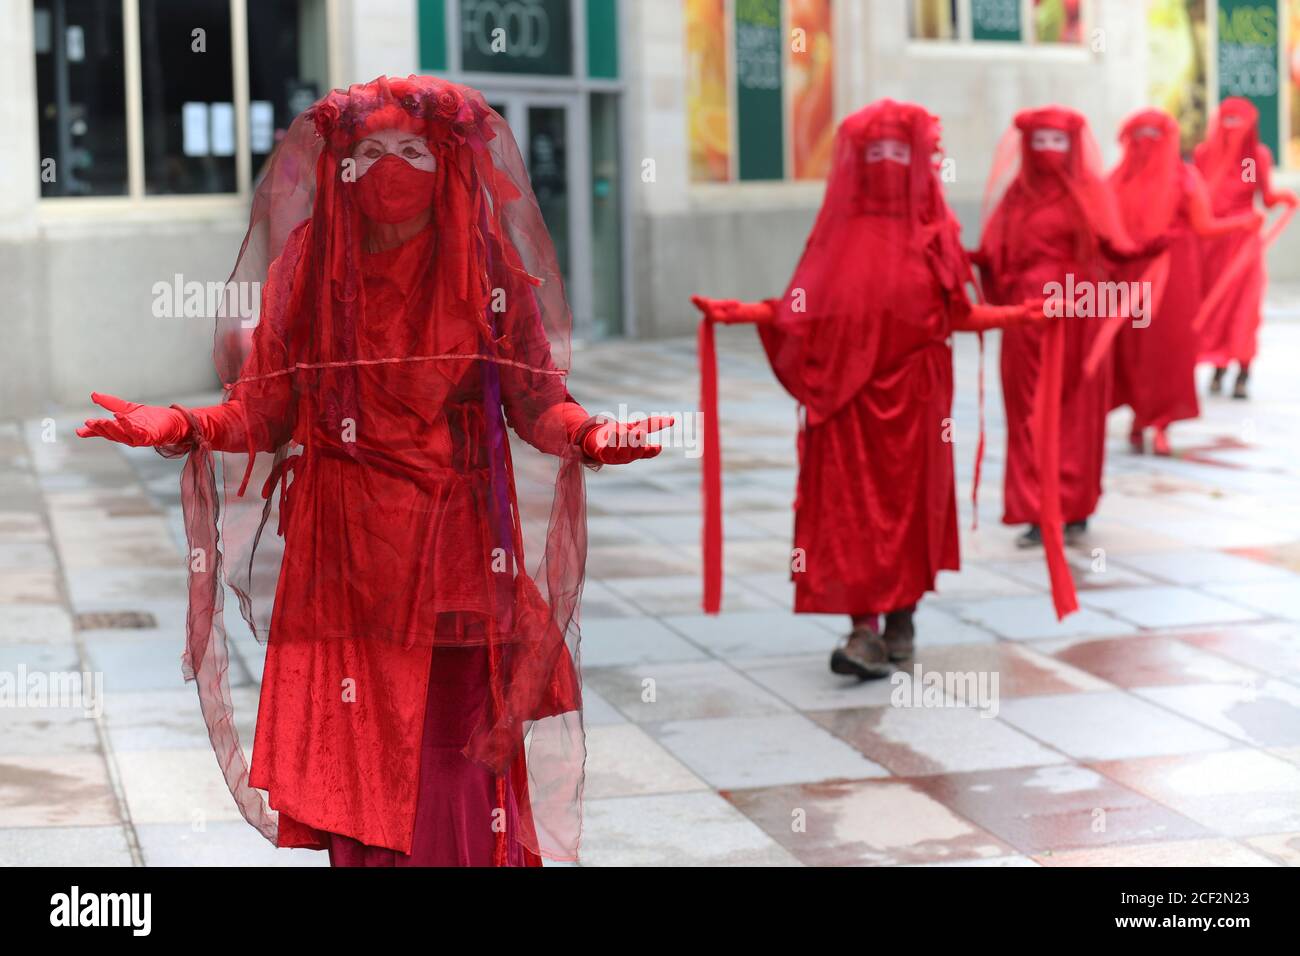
x,y
1051,809
864,822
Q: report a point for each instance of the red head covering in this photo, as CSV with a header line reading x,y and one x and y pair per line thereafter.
x,y
850,282
1232,138
434,542
1151,180
1024,179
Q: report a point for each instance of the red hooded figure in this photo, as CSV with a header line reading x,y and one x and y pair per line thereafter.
x,y
1236,166
1161,196
414,559
1052,229
861,340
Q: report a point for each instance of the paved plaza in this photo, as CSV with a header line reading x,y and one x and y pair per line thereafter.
x,y
1158,725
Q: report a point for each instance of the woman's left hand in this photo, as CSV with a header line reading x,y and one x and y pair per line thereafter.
x,y
617,443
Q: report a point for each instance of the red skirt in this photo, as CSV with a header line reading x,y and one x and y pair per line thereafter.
x,y
457,814
876,508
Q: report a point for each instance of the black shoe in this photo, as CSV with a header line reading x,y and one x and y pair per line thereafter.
x,y
900,635
1239,387
1032,538
863,656
1075,530
1216,383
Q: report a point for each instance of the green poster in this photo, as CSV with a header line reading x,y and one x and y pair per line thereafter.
x,y
760,106
1248,60
995,19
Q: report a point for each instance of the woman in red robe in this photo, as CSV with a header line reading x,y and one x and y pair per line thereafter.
x,y
1161,196
1052,230
1236,167
861,339
421,611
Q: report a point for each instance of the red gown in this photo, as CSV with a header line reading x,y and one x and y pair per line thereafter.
x,y
405,417
1231,329
876,510
1052,223
1155,366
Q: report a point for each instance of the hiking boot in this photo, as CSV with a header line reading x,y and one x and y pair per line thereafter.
x,y
900,635
1032,538
864,656
1239,387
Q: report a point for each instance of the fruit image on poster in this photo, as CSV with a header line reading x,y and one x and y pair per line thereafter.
x,y
708,115
812,87
1058,21
1177,45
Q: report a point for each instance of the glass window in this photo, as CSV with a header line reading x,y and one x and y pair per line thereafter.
x,y
287,69
188,96
81,97
932,19
1058,21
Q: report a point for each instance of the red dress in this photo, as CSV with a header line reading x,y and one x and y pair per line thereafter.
x,y
414,560
1155,366
1046,253
875,510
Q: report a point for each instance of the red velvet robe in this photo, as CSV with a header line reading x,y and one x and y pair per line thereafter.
x,y
1045,251
875,510
1155,366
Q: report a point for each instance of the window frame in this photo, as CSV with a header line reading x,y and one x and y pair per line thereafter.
x,y
136,204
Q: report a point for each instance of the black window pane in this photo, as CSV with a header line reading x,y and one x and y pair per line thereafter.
x,y
287,68
188,96
80,89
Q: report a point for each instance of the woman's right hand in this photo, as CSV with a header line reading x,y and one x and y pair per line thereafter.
x,y
136,424
718,310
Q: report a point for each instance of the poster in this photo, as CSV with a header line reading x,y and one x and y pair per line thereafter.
x,y
1177,45
1248,59
760,105
812,88
1058,21
708,115
1293,88
995,20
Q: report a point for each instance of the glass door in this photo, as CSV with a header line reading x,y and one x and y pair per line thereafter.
x,y
549,132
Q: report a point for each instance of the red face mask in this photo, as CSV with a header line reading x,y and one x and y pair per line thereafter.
x,y
392,190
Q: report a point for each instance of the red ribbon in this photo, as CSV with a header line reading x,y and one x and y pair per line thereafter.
x,y
712,488
1047,441
1230,275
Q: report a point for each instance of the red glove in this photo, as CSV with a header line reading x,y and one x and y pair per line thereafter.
x,y
136,424
730,311
617,443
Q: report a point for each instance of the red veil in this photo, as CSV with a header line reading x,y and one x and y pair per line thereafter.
x,y
401,485
874,220
1151,181
1233,137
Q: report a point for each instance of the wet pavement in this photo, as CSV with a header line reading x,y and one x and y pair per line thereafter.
x,y
1159,725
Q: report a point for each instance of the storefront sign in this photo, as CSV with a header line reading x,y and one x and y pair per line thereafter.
x,y
517,36
1248,60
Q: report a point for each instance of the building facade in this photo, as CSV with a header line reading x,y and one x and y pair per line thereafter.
x,y
675,146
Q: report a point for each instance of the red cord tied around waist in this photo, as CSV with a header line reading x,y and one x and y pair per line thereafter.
x,y
712,463
281,473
